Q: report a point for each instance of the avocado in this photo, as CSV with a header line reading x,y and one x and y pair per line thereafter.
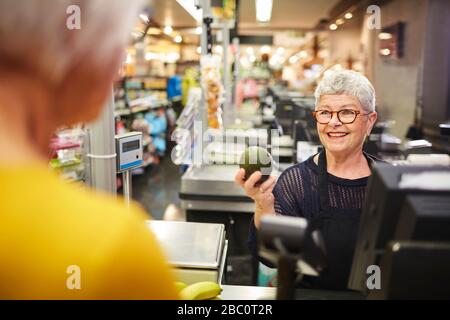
x,y
256,159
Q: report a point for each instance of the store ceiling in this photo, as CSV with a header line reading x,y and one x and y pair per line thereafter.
x,y
286,15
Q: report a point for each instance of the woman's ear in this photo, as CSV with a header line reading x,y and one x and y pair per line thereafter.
x,y
372,119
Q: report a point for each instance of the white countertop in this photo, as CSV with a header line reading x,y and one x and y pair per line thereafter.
x,y
247,293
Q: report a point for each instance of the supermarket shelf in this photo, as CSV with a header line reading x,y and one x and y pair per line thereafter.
x,y
137,109
146,89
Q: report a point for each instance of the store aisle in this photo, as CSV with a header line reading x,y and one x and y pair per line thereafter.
x,y
157,190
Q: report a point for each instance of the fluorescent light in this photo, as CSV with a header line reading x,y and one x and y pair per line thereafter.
x,y
293,59
348,15
144,17
168,30
189,6
178,39
303,54
385,36
263,10
385,52
265,49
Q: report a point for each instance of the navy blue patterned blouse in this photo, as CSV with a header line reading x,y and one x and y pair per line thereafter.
x,y
297,194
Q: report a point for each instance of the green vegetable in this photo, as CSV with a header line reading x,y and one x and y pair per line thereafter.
x,y
256,159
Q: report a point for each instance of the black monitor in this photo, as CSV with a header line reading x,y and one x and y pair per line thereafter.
x,y
394,208
424,217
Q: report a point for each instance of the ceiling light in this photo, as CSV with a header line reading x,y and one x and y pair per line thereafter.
x,y
265,49
384,36
198,30
293,59
333,26
168,30
348,15
263,10
189,6
144,17
385,52
178,39
340,21
303,54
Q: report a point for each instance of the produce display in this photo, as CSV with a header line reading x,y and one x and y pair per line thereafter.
x,y
254,159
213,89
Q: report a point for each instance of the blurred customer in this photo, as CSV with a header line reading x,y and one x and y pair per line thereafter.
x,y
59,241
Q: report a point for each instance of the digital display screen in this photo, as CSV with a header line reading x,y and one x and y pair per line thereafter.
x,y
130,146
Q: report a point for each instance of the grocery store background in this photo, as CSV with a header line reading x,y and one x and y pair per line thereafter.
x,y
400,45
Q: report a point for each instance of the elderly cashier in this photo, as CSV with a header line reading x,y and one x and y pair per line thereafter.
x,y
328,189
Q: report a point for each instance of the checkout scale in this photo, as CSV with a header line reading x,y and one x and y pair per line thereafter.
x,y
196,251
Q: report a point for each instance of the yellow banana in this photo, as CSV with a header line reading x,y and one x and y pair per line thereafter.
x,y
200,291
180,285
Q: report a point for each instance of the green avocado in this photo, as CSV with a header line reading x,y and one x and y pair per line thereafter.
x,y
256,159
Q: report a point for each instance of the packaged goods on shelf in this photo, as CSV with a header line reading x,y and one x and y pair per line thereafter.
x,y
67,153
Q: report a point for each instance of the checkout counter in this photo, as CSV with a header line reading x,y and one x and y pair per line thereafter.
x,y
198,251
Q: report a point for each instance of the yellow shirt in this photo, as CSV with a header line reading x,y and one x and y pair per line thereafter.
x,y
56,237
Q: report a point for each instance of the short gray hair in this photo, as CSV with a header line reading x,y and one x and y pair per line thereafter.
x,y
347,82
34,32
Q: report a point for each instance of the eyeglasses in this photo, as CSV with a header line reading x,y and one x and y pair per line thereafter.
x,y
345,116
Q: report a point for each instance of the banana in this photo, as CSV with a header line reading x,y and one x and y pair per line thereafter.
x,y
180,285
200,291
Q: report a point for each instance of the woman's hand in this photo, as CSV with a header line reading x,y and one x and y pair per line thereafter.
x,y
262,195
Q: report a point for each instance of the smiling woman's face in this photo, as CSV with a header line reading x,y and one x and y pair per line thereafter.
x,y
340,138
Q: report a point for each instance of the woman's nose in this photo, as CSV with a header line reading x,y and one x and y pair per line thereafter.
x,y
334,120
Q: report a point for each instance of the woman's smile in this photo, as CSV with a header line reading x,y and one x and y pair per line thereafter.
x,y
337,135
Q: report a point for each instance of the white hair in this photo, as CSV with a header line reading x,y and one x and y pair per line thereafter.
x,y
347,82
35,33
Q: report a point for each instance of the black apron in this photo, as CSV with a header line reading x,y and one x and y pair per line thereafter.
x,y
339,229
